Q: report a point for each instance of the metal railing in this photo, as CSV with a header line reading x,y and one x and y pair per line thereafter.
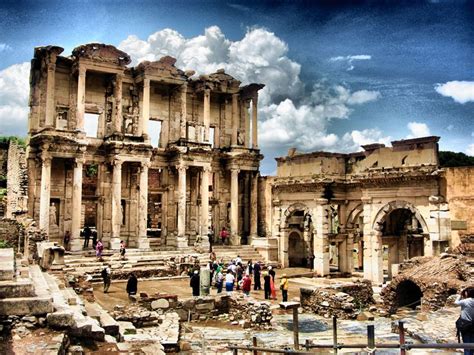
x,y
370,347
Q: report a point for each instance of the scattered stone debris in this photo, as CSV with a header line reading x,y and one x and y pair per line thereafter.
x,y
249,313
345,301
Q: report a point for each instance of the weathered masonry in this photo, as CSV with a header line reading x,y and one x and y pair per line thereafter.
x,y
366,211
147,154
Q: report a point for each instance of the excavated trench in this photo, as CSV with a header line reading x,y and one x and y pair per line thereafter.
x,y
408,294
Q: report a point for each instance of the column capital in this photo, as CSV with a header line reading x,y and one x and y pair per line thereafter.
x,y
181,168
366,200
146,82
145,164
79,161
46,159
81,70
207,91
207,168
234,170
117,162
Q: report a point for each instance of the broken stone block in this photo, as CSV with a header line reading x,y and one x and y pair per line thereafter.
x,y
60,319
362,316
160,304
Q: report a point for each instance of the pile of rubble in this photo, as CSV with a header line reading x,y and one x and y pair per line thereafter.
x,y
436,277
345,300
250,313
137,315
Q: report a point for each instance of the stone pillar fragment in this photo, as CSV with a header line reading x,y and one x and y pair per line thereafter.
x,y
45,192
50,103
253,206
182,240
321,242
118,104
245,108
76,205
81,98
207,113
205,206
182,121
234,206
235,118
116,204
143,122
143,242
254,122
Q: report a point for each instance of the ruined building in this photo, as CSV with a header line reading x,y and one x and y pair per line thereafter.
x,y
366,211
147,154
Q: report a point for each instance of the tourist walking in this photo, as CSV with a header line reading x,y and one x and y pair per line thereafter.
x,y
284,287
107,277
229,282
266,285
224,235
99,248
67,240
132,285
239,270
271,272
122,250
256,276
465,323
249,267
219,281
87,236
195,283
246,284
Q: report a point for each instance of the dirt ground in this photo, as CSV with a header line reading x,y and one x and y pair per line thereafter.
x,y
118,296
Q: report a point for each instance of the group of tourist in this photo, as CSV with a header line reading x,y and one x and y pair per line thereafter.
x,y
239,276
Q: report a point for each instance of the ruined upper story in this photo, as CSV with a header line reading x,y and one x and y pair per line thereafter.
x,y
404,157
95,96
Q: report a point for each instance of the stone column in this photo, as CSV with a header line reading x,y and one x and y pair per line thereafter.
x,y
143,122
235,118
81,98
76,205
234,206
45,193
205,206
207,113
367,232
184,111
118,104
50,103
116,204
284,258
253,206
377,256
182,240
321,243
245,107
143,242
254,122
350,252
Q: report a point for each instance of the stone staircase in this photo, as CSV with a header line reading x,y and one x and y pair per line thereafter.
x,y
23,291
230,252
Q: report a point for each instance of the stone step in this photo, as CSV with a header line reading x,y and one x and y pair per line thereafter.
x,y
7,264
22,306
19,288
39,281
110,325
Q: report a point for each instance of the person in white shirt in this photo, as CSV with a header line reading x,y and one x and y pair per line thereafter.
x,y
229,282
465,323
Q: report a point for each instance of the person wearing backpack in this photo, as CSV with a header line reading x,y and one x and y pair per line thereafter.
x,y
465,322
107,277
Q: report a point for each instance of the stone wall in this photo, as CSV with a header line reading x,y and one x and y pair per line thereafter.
x,y
17,180
12,232
457,184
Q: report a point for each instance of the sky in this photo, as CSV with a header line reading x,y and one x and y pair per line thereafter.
x,y
338,75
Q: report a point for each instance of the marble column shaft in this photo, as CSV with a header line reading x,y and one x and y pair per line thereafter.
x,y
118,103
76,205
205,200
143,207
321,242
184,112
254,205
50,103
143,122
181,201
255,121
207,113
81,98
234,204
245,109
235,118
116,203
45,193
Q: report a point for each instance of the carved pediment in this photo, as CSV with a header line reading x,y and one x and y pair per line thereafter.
x,y
164,67
102,53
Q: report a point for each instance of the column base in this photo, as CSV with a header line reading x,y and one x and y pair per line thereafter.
x,y
182,242
321,265
143,243
75,245
114,244
235,240
205,242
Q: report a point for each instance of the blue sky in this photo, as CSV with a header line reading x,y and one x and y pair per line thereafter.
x,y
338,75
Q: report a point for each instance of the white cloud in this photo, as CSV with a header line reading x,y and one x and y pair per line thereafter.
x,y
470,150
418,129
459,91
349,59
450,127
4,47
14,90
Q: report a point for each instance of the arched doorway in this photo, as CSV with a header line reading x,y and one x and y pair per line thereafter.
x,y
297,251
409,294
402,238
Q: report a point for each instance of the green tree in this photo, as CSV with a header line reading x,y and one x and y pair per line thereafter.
x,y
452,159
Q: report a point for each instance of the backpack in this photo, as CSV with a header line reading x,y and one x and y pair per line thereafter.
x,y
464,325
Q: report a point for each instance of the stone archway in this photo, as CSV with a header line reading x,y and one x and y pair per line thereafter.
x,y
385,211
408,294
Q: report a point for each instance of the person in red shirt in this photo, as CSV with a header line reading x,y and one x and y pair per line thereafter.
x,y
246,284
224,236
